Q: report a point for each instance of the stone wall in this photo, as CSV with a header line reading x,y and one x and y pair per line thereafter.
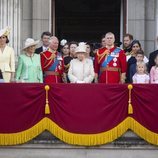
x,y
29,18
35,18
141,15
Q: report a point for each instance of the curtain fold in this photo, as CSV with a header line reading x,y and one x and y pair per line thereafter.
x,y
80,114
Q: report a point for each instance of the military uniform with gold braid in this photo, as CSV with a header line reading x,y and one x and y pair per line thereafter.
x,y
110,65
52,66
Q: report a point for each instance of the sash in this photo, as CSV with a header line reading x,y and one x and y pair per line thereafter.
x,y
110,57
54,65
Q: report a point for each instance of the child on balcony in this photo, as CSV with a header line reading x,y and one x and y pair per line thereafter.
x,y
154,72
132,69
141,75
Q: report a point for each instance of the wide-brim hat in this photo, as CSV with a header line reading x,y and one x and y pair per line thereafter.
x,y
5,31
81,48
30,42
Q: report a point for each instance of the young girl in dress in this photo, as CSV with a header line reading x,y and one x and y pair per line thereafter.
x,y
154,72
141,75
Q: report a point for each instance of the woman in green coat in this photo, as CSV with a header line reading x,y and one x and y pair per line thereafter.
x,y
29,64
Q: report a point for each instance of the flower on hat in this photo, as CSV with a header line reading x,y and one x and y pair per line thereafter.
x,y
63,42
81,48
5,31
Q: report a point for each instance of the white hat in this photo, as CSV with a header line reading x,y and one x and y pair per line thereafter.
x,y
30,42
5,31
81,48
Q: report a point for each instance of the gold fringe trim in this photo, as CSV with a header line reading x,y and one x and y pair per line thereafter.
x,y
88,139
24,136
143,132
79,139
70,138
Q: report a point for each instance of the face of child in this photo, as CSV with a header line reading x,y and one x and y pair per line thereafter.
x,y
139,57
156,60
141,69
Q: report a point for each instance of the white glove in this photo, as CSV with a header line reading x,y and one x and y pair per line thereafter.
x,y
80,81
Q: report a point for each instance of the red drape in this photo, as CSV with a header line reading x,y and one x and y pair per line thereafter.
x,y
77,108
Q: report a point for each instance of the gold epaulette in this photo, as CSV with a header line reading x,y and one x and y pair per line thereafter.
x,y
67,65
102,55
52,51
53,56
129,53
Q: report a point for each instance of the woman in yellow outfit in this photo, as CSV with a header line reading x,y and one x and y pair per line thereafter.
x,y
7,56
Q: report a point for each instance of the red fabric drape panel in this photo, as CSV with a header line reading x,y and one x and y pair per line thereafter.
x,y
145,104
21,106
88,108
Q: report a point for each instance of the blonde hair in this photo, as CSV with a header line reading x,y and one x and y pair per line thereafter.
x,y
144,65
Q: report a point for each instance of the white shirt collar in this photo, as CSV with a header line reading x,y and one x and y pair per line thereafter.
x,y
44,48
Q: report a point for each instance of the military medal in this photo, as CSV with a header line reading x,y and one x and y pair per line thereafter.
x,y
115,59
59,67
114,64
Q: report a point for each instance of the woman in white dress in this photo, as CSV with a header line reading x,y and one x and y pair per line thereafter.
x,y
81,69
7,59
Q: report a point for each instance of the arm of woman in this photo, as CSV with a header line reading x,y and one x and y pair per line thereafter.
x,y
19,68
147,79
152,75
134,79
41,75
12,64
90,77
72,78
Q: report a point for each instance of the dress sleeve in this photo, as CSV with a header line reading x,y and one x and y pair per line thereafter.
x,y
152,75
89,79
72,78
19,68
12,60
134,79
147,79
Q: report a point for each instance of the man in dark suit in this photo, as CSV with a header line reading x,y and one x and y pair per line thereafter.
x,y
127,41
152,59
45,37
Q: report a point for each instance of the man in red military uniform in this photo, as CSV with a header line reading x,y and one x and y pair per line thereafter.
x,y
52,63
110,62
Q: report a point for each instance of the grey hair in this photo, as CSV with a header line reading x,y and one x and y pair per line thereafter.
x,y
53,38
